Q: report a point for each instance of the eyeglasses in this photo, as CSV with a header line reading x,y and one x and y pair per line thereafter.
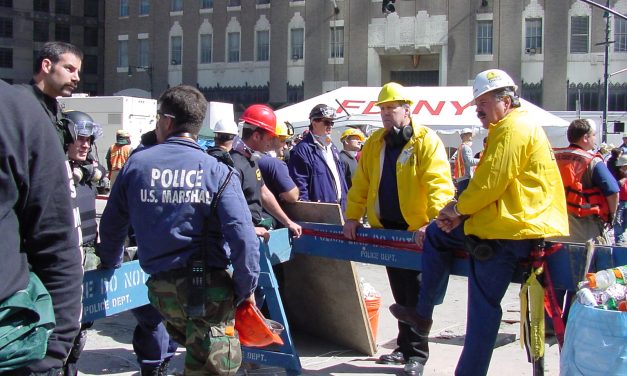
x,y
326,122
160,114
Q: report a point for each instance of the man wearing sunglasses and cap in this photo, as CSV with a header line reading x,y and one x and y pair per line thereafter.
x,y
315,163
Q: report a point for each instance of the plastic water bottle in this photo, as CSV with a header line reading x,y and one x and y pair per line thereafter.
x,y
585,297
599,280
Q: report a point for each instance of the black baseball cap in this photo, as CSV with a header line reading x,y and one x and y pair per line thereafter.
x,y
322,111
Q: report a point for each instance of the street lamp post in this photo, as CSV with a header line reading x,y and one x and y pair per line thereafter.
x,y
147,69
606,75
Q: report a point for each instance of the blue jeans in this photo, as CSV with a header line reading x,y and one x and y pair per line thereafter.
x,y
487,283
621,223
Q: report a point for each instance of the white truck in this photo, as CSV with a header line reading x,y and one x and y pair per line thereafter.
x,y
135,115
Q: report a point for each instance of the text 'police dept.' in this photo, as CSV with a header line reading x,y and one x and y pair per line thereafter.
x,y
175,187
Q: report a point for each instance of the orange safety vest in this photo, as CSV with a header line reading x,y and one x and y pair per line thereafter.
x,y
118,154
582,199
458,168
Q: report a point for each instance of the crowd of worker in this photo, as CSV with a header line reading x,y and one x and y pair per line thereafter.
x,y
195,212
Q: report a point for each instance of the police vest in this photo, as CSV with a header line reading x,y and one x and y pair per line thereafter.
x,y
86,200
582,199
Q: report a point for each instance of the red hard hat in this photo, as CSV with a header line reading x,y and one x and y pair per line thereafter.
x,y
261,116
255,330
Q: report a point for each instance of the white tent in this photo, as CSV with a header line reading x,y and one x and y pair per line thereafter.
x,y
447,110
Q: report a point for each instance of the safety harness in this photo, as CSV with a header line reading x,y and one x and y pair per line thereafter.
x,y
458,168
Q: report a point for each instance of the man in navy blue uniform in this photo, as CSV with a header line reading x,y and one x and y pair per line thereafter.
x,y
36,221
259,136
315,163
185,208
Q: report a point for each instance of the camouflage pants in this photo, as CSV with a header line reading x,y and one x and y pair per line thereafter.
x,y
212,345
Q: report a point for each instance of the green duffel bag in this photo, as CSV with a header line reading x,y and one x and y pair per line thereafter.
x,y
26,321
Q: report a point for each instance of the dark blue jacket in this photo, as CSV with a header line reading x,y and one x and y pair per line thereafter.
x,y
165,192
311,174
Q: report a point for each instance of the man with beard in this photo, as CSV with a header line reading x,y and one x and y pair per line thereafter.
x,y
58,66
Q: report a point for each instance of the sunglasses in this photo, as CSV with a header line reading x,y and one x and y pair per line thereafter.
x,y
326,122
160,114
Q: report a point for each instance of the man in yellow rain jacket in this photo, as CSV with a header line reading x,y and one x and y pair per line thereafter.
x,y
402,181
515,197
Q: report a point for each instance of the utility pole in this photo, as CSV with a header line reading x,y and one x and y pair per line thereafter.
x,y
606,75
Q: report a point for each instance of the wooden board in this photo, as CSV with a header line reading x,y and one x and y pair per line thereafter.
x,y
322,296
317,212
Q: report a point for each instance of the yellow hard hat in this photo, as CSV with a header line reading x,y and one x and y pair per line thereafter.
x,y
284,129
392,92
352,132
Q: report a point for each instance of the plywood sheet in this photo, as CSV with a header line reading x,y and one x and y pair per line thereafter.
x,y
322,296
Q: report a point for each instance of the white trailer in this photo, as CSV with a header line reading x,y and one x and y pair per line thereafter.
x,y
135,115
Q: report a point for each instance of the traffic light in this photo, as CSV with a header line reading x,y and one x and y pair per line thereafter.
x,y
388,6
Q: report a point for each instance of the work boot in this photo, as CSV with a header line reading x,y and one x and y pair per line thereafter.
x,y
160,370
406,315
413,368
396,357
150,371
163,367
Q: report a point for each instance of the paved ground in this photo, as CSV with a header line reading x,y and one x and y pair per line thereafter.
x,y
109,351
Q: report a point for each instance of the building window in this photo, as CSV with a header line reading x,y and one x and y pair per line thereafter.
x,y
123,8
297,43
6,3
90,36
90,88
206,4
40,31
234,3
579,29
620,35
206,48
233,46
176,48
6,57
62,32
263,45
533,34
123,53
143,52
337,41
176,5
144,7
6,27
484,37
62,6
90,64
41,6
91,8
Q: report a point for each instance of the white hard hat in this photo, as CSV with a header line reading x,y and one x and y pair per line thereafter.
x,y
489,80
225,126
